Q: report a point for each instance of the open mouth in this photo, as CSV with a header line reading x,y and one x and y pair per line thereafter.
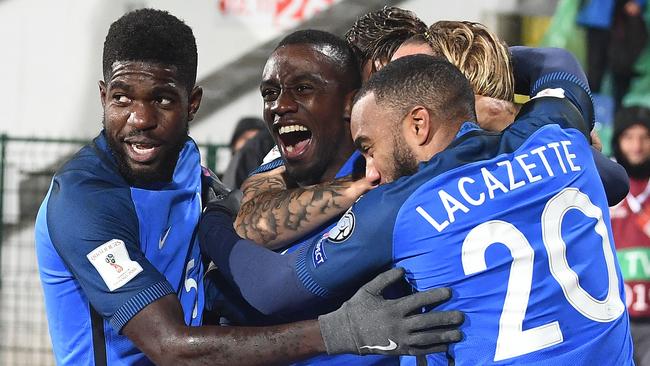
x,y
142,152
294,140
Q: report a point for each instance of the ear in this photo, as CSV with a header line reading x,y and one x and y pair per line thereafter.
x,y
417,124
102,92
195,102
349,99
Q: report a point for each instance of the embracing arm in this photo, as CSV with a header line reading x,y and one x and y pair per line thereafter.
x,y
271,283
274,215
366,319
613,176
171,342
539,68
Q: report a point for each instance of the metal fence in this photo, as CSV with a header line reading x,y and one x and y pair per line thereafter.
x,y
26,169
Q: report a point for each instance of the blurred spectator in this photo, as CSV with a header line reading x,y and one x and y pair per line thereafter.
x,y
249,157
246,129
631,222
616,35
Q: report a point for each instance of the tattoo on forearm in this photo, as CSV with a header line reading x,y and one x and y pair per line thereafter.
x,y
273,214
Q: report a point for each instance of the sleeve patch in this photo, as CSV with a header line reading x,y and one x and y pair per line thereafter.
x,y
343,229
550,92
318,256
113,263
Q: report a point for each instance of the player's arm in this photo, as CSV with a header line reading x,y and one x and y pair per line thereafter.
x,y
613,176
550,69
305,277
540,69
159,331
125,289
273,214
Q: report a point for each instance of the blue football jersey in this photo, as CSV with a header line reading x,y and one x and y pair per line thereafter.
x,y
106,250
354,164
515,223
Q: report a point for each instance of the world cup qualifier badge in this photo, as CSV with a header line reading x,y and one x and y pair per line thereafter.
x,y
343,229
113,263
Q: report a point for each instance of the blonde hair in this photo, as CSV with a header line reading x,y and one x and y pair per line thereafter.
x,y
478,53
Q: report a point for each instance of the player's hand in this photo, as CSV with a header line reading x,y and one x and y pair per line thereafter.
x,y
218,196
595,141
359,187
368,323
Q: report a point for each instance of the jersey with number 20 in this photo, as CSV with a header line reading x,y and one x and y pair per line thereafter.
x,y
516,224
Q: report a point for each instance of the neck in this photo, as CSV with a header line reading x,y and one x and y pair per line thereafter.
x,y
342,155
439,141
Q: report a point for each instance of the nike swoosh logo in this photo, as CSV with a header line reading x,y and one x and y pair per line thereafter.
x,y
391,346
163,238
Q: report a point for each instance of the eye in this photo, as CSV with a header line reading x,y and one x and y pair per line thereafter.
x,y
269,94
121,98
164,101
303,88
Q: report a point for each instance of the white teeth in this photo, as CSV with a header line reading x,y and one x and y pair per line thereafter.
x,y
140,150
289,148
292,128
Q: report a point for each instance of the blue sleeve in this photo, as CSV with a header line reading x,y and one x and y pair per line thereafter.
x,y
613,176
265,279
328,267
93,227
539,69
356,249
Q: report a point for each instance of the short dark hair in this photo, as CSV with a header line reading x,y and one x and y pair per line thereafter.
x,y
423,80
378,34
341,51
154,36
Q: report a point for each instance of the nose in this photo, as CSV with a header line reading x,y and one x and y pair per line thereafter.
x,y
372,173
142,117
285,103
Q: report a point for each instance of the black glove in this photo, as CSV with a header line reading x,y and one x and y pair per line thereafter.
x,y
219,197
368,323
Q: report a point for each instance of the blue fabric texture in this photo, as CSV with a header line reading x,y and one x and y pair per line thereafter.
x,y
117,248
507,180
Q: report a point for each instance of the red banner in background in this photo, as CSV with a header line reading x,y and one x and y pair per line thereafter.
x,y
281,13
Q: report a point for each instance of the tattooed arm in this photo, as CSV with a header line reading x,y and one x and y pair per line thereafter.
x,y
273,215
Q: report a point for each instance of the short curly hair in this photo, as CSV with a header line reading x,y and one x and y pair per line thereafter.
x,y
339,50
481,56
377,35
154,36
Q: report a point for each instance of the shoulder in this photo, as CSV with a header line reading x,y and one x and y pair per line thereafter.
x,y
271,180
86,176
85,194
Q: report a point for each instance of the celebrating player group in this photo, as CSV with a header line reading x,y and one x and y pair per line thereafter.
x,y
411,212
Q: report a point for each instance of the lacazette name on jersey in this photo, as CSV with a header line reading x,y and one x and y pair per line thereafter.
x,y
532,167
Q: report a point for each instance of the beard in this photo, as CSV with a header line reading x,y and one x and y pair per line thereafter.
x,y
156,173
404,161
